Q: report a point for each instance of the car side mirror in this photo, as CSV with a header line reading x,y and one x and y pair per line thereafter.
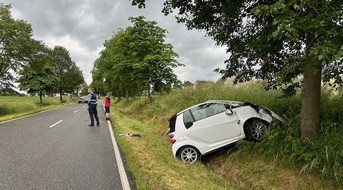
x,y
229,112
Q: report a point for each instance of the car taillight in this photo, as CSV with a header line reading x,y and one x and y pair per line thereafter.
x,y
171,136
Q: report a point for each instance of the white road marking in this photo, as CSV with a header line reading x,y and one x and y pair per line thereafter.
x,y
76,111
123,177
55,124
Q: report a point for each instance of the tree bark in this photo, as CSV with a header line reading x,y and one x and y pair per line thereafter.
x,y
61,95
40,97
310,99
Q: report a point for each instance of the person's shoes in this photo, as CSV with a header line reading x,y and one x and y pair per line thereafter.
x,y
98,123
91,125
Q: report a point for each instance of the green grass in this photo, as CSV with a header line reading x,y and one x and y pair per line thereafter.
x,y
17,106
280,161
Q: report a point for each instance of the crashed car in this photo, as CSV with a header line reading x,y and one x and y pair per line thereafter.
x,y
208,126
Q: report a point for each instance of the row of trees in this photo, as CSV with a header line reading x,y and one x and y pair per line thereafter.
x,y
136,61
295,44
41,70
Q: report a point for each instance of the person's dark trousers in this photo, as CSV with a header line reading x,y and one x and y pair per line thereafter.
x,y
93,113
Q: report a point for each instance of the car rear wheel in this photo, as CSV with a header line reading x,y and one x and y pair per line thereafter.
x,y
189,154
255,130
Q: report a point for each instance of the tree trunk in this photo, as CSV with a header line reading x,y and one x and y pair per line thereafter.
x,y
149,93
61,95
310,99
40,97
127,95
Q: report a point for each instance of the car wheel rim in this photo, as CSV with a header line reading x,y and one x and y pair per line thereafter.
x,y
257,130
189,155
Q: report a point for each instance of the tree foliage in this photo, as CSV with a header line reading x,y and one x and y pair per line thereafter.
x,y
38,80
137,60
290,44
70,76
15,45
268,39
20,52
38,76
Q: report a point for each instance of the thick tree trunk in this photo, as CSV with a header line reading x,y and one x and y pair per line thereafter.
x,y
310,104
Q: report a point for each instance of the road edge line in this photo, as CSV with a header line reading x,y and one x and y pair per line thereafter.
x,y
123,177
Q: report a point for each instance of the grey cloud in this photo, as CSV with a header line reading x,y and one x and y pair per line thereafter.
x,y
83,26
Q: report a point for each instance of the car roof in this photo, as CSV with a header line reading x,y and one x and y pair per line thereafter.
x,y
214,101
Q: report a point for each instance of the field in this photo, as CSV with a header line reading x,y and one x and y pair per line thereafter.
x,y
280,161
17,106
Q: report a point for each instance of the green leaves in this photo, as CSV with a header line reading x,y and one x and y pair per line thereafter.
x,y
277,32
136,59
15,45
38,80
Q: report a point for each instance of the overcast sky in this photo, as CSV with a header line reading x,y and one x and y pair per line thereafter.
x,y
83,26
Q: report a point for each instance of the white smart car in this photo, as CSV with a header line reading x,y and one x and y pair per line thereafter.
x,y
208,126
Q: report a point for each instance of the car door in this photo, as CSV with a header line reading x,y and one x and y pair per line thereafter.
x,y
212,124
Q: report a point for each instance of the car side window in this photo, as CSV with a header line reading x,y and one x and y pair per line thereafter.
x,y
187,117
219,107
198,112
207,110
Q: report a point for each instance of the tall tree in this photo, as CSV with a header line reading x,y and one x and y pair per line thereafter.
x,y
154,58
276,40
15,45
38,80
73,80
136,59
115,65
38,76
70,76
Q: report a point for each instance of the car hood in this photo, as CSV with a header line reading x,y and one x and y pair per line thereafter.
x,y
270,112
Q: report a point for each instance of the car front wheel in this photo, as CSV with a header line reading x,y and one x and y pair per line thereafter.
x,y
255,130
189,154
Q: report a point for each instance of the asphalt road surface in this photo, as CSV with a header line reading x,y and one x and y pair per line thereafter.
x,y
57,149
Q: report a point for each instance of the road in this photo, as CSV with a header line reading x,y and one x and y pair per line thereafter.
x,y
57,149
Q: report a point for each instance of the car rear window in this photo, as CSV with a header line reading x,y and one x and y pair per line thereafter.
x,y
172,121
187,118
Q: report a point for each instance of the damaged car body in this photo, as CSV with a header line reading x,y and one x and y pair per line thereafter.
x,y
208,126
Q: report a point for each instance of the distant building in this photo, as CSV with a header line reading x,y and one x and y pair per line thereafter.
x,y
187,84
9,92
202,83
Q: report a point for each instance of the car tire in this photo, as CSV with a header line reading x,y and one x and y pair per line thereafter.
x,y
255,129
189,154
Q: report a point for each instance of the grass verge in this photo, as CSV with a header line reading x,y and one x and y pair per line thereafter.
x,y
279,162
17,106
